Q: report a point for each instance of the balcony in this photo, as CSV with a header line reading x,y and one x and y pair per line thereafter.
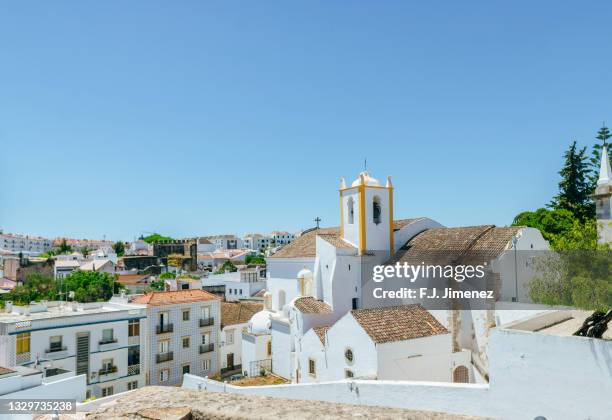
x,y
164,357
134,370
207,348
166,328
107,370
111,341
22,357
207,322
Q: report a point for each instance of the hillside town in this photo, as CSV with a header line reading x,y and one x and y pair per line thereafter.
x,y
92,320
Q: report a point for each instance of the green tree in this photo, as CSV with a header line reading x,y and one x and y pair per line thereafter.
x,y
157,285
119,248
227,267
156,237
91,286
64,248
574,188
551,223
602,135
255,259
36,287
165,276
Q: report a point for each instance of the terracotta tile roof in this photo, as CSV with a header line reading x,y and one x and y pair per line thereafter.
x,y
261,293
233,313
456,245
398,323
320,332
310,305
305,245
175,297
131,279
336,241
398,224
4,371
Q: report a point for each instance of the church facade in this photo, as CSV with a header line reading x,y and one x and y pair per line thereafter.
x,y
324,277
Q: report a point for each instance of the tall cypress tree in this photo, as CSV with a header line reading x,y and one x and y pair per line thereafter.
x,y
574,187
602,135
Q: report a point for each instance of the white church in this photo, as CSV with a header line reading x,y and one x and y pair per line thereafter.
x,y
318,323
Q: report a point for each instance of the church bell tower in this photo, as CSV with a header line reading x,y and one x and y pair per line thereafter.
x,y
366,214
603,199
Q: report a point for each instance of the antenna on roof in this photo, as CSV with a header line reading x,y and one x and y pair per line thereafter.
x,y
365,164
317,219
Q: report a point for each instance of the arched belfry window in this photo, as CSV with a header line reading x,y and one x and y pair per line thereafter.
x,y
376,210
351,210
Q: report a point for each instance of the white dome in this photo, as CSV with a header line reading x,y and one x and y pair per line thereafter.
x,y
260,322
368,180
304,273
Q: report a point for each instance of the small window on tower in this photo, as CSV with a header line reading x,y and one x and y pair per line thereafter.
x,y
351,211
376,211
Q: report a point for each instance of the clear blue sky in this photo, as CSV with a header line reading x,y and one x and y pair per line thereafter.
x,y
199,117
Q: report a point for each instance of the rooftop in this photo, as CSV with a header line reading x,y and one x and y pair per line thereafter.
x,y
398,323
563,323
305,246
156,402
440,244
131,279
321,331
57,309
233,313
310,305
174,297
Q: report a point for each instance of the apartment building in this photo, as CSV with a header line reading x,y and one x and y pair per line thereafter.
x,y
101,340
225,241
280,238
256,241
241,284
24,244
182,334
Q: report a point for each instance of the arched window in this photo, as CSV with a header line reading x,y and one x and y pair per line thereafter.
x,y
376,210
281,299
351,211
461,375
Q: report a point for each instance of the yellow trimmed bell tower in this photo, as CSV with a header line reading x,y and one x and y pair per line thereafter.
x,y
366,214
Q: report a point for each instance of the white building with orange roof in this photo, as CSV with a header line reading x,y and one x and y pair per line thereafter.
x,y
28,245
182,334
325,273
395,343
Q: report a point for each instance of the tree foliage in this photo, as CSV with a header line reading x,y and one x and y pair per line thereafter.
x,y
579,272
91,286
574,188
88,286
64,248
227,267
255,259
119,248
156,237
